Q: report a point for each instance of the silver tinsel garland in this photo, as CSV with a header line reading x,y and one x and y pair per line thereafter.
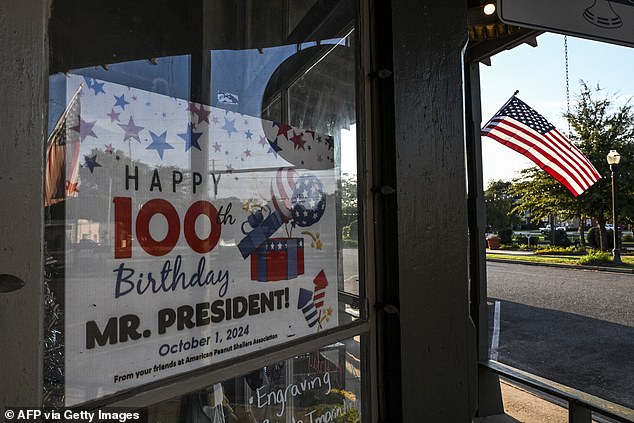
x,y
53,338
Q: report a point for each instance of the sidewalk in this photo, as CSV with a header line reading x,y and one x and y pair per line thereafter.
x,y
525,407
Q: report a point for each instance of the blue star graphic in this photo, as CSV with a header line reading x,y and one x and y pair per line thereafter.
x,y
159,143
88,81
191,138
274,147
98,87
121,101
91,163
248,134
229,126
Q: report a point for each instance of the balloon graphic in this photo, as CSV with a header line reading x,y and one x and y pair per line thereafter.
x,y
309,201
282,188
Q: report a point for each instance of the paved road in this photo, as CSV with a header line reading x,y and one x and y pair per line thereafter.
x,y
575,327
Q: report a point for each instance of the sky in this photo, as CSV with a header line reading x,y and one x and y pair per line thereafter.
x,y
539,73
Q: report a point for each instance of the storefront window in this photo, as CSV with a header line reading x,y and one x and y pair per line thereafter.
x,y
201,199
321,386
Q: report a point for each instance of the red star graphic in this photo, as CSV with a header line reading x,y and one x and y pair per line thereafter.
x,y
203,115
192,107
283,129
298,141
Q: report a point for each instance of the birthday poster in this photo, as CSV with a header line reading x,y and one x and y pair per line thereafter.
x,y
194,235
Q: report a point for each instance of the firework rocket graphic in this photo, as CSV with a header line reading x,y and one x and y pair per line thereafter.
x,y
306,304
319,292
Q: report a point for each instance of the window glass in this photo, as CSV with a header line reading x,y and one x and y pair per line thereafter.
x,y
321,386
559,302
200,202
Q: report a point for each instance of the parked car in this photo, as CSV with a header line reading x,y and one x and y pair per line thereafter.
x,y
546,229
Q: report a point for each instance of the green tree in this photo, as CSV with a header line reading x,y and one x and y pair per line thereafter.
x,y
349,198
598,126
499,204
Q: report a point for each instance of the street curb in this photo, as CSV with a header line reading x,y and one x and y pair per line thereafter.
x,y
565,266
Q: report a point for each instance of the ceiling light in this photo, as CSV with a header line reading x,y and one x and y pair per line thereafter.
x,y
489,9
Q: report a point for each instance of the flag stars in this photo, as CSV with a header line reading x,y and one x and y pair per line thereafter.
x,y
229,126
282,129
85,129
91,163
131,130
121,101
98,87
202,113
298,141
274,148
159,143
113,115
191,138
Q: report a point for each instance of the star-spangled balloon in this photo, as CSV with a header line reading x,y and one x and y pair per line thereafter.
x,y
131,130
191,138
91,163
159,143
309,201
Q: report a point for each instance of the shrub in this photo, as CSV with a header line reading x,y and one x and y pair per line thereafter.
x,y
506,235
524,240
628,238
561,238
560,250
596,258
354,230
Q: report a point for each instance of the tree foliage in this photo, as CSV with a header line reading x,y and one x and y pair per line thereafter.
x,y
499,204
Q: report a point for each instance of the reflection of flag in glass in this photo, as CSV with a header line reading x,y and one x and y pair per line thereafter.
x,y
306,304
62,155
524,130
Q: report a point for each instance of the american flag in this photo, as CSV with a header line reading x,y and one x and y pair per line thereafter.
x,y
524,130
62,155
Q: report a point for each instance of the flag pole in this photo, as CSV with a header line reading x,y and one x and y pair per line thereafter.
x,y
503,106
62,118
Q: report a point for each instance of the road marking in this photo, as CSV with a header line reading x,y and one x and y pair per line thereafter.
x,y
495,339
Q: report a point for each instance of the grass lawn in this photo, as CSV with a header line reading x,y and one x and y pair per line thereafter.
x,y
628,261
